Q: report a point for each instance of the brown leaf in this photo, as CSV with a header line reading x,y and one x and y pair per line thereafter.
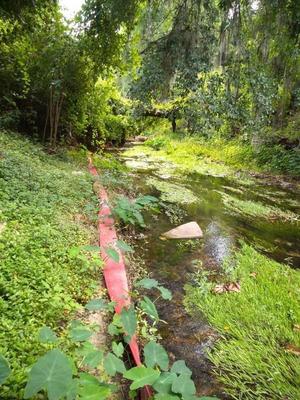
x,y
297,327
253,274
233,287
290,348
227,287
219,289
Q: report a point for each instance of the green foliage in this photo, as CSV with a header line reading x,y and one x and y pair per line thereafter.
x,y
257,326
129,322
155,355
141,376
129,211
40,197
53,373
4,370
149,308
46,335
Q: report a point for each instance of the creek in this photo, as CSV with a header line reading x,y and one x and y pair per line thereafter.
x,y
228,209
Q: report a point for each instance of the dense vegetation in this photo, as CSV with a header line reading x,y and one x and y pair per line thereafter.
x,y
258,324
214,85
227,69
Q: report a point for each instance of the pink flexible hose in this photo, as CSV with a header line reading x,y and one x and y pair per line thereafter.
x,y
114,272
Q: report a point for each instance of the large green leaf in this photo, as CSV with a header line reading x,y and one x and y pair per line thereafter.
x,y
113,364
80,334
96,305
124,246
179,367
149,308
147,283
183,384
155,354
165,396
52,373
112,253
164,382
199,398
91,389
165,293
4,369
93,358
141,376
46,335
128,319
91,248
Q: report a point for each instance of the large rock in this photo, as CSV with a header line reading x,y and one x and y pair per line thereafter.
x,y
191,230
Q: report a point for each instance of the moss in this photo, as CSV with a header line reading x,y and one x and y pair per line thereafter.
x,y
257,326
256,209
173,193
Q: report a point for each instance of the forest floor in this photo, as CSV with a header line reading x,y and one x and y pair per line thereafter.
x,y
47,207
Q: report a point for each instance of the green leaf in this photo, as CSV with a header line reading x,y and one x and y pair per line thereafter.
x,y
118,349
96,305
112,253
164,382
199,398
74,251
124,246
165,396
51,373
179,367
91,248
113,364
149,308
46,335
4,369
128,319
80,334
91,389
113,330
141,376
155,354
165,293
147,283
183,384
93,358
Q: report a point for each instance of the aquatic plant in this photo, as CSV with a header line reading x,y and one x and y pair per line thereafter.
x,y
171,192
256,209
256,354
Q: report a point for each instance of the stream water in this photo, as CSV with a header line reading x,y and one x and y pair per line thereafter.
x,y
173,262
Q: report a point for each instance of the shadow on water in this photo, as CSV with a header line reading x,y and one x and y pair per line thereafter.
x,y
173,262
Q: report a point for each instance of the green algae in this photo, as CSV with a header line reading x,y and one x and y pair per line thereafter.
x,y
256,209
173,193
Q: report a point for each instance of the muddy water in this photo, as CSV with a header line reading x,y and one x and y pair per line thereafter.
x,y
174,262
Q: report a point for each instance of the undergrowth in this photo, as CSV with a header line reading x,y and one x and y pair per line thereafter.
x,y
47,206
256,354
236,153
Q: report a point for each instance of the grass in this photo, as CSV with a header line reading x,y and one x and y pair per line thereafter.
x,y
218,156
257,326
47,206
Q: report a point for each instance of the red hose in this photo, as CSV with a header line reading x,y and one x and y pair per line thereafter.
x,y
114,272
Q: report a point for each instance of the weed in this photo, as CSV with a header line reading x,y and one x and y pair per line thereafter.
x,y
258,326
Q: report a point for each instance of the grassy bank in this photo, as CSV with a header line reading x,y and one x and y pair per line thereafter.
x,y
224,156
257,354
47,205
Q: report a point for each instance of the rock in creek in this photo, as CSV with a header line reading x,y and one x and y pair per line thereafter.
x,y
191,230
